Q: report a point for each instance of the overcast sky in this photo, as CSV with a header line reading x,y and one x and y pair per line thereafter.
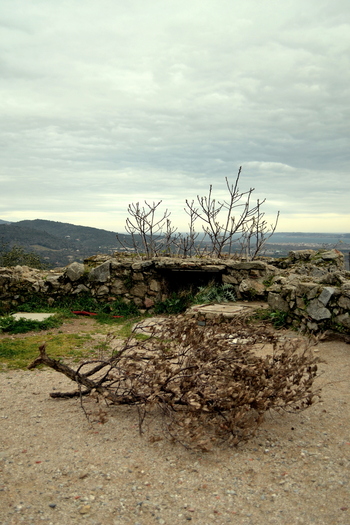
x,y
108,102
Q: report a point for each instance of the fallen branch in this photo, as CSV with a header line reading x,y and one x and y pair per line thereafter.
x,y
208,382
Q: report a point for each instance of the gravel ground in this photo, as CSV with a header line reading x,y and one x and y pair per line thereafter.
x,y
57,468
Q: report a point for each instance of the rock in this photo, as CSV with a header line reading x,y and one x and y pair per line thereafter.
x,y
317,311
137,276
81,288
118,287
301,255
309,290
149,303
313,327
251,265
74,271
343,319
252,287
53,281
229,279
331,255
102,290
276,302
141,266
344,302
155,286
139,290
85,509
326,294
101,273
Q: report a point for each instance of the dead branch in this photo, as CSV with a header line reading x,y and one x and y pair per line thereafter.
x,y
209,383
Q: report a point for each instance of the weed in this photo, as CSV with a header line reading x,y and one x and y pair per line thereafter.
x,y
279,318
262,314
175,304
213,293
251,294
276,317
268,282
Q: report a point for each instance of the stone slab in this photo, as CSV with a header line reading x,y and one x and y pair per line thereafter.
x,y
204,311
31,316
227,310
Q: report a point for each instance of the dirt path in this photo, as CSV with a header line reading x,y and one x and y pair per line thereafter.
x,y
59,469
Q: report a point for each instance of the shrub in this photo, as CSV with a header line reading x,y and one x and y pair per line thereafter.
x,y
175,304
17,256
11,325
214,293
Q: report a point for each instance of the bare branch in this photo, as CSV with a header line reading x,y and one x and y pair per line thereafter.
x,y
208,387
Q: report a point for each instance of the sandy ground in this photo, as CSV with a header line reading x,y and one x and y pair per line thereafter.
x,y
58,468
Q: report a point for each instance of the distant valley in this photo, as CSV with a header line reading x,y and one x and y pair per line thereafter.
x,y
60,243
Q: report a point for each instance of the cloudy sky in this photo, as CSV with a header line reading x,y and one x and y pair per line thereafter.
x,y
108,102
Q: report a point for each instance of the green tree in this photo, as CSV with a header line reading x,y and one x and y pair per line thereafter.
x,y
16,256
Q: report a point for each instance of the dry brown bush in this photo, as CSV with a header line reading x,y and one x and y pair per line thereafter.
x,y
208,382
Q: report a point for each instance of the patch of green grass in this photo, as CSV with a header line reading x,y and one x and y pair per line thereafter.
x,y
279,319
276,317
262,314
19,353
13,326
127,328
82,302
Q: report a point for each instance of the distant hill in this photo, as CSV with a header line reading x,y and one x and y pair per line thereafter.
x,y
58,243
81,236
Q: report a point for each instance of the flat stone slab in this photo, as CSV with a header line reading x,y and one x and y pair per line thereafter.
x,y
227,310
202,312
31,316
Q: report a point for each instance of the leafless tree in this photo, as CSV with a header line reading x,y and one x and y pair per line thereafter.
x,y
224,224
185,244
147,231
256,233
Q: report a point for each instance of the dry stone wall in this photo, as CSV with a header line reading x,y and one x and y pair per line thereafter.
x,y
310,288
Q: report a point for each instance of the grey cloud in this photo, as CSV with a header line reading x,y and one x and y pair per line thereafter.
x,y
114,101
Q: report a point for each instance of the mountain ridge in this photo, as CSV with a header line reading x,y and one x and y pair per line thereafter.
x,y
59,243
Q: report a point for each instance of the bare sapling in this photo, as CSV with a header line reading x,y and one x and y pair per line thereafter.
x,y
147,231
185,245
224,224
230,221
256,233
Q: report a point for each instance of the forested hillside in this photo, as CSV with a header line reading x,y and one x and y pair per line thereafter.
x,y
57,243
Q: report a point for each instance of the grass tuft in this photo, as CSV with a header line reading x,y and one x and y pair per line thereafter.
x,y
19,353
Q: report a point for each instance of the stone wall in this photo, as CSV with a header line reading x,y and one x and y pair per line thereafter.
x,y
313,290
310,288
